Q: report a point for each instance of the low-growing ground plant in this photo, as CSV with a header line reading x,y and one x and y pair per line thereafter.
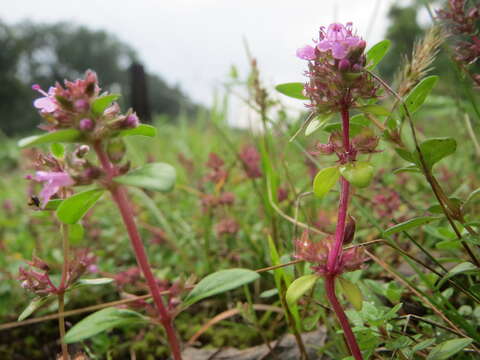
x,y
248,236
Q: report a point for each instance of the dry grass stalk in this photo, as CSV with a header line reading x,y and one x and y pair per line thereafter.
x,y
423,55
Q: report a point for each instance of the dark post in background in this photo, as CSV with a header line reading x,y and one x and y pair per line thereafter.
x,y
139,92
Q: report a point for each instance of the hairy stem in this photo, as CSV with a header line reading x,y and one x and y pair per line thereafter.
x,y
121,200
342,318
335,254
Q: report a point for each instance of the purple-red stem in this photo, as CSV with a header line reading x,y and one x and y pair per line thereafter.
x,y
342,318
120,198
335,254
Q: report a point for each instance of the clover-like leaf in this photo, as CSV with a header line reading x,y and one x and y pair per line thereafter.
x,y
155,176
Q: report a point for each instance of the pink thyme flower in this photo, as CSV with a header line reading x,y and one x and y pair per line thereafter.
x,y
53,182
306,53
46,104
339,39
251,161
317,254
227,226
337,53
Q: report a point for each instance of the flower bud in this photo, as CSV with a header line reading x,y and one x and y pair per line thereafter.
x,y
92,173
86,124
81,105
325,149
81,151
344,65
131,121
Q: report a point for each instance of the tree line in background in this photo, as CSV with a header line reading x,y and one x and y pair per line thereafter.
x,y
44,53
38,53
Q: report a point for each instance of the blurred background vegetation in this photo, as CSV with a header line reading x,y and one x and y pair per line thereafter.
x,y
42,54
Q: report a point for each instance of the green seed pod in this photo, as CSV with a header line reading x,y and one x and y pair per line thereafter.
x,y
116,150
358,173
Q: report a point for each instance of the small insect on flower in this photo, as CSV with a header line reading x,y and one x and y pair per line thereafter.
x,y
53,181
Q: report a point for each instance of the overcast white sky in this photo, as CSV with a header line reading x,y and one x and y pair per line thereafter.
x,y
194,42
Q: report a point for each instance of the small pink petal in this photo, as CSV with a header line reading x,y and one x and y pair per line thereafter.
x,y
53,181
45,104
306,53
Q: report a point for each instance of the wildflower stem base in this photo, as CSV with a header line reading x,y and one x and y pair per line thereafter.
x,y
120,198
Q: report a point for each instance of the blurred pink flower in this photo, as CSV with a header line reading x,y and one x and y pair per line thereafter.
x,y
339,39
317,254
251,161
53,181
227,226
306,53
47,103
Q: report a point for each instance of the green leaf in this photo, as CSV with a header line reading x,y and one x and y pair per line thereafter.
x,y
71,210
437,208
405,155
375,110
318,123
299,287
376,53
410,224
409,168
102,320
101,103
352,293
57,150
419,94
325,180
434,150
76,233
294,90
33,306
220,282
448,348
472,196
357,124
155,176
462,268
279,274
269,293
423,345
140,130
53,204
97,281
67,135
358,173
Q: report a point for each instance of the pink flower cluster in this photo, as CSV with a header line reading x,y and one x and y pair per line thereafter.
x,y
317,254
363,143
335,69
251,161
338,39
36,278
226,226
463,20
70,106
53,182
216,164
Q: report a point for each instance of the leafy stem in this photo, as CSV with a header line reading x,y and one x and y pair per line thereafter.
x,y
335,254
120,198
438,191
